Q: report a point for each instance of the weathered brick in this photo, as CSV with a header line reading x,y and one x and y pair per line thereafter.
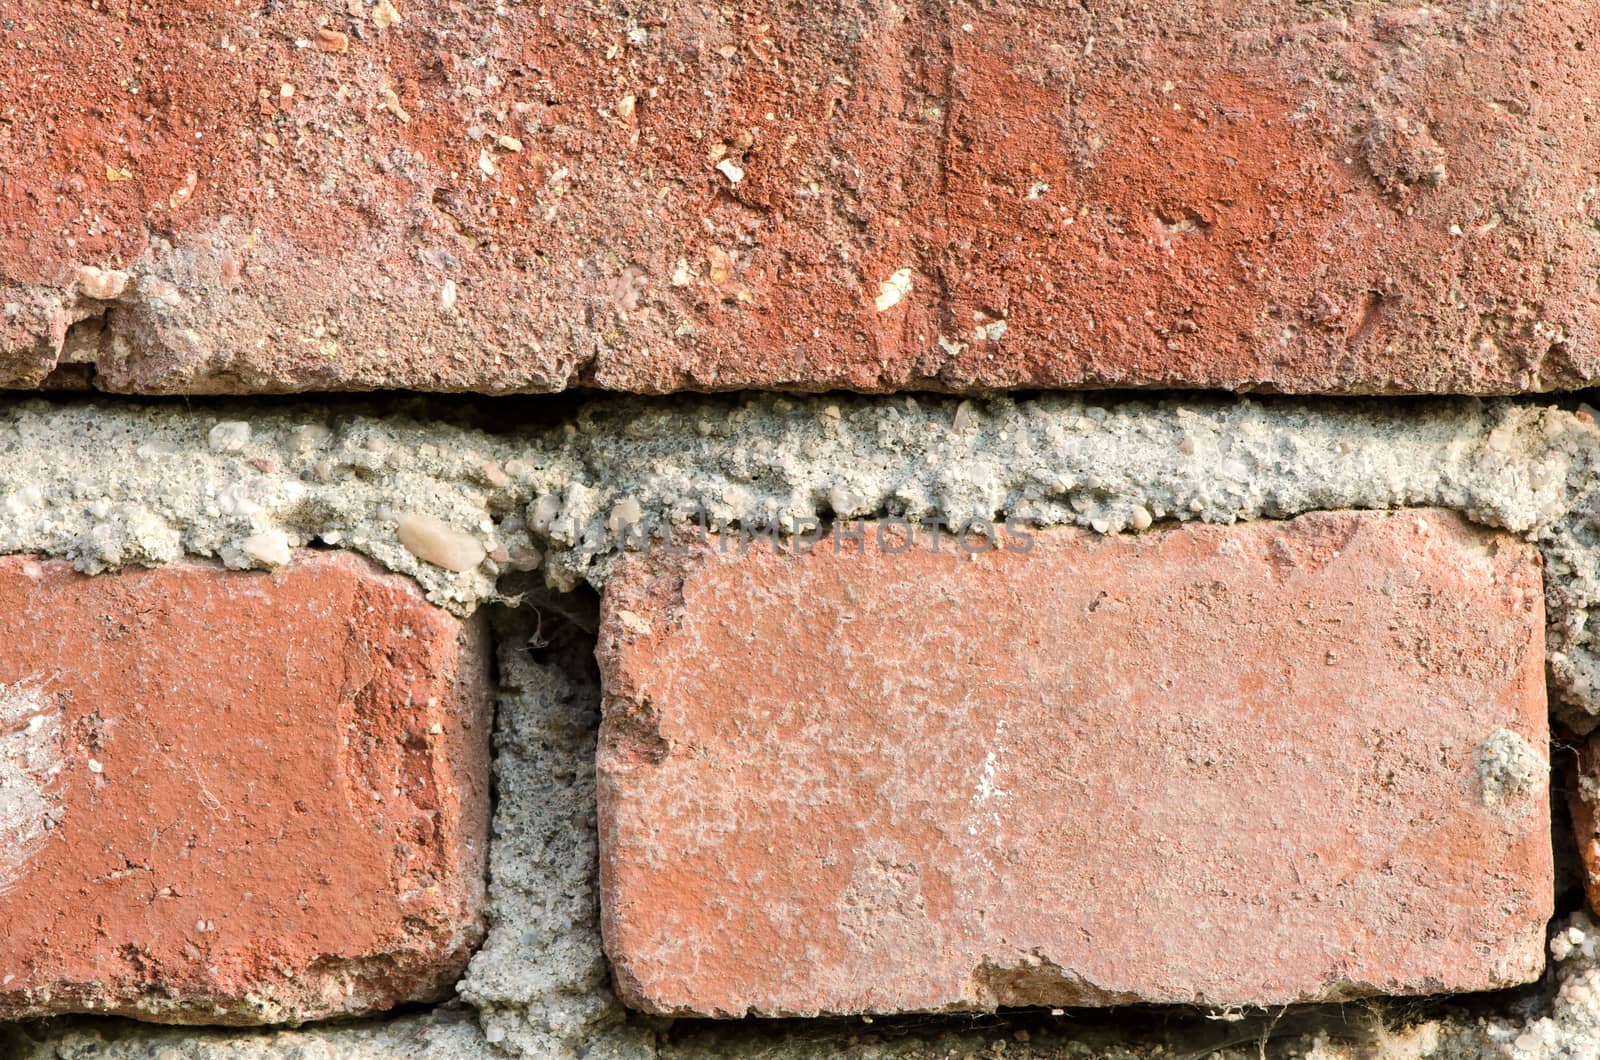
x,y
1248,765
1262,194
236,798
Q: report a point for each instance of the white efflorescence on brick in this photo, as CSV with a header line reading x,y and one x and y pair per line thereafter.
x,y
30,761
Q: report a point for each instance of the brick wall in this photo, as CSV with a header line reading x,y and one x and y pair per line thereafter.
x,y
923,695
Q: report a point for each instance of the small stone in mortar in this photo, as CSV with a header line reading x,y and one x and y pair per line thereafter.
x,y
434,541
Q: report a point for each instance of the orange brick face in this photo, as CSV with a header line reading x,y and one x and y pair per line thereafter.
x,y
236,798
1243,765
1023,194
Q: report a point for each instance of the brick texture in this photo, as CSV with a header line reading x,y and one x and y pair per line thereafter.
x,y
1248,765
236,798
222,197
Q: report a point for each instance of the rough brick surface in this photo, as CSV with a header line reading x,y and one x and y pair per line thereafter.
x,y
234,797
1276,194
1257,764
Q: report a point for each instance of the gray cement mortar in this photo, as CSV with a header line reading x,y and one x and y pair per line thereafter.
x,y
110,485
447,1033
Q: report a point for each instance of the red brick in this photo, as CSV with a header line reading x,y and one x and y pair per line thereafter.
x,y
1216,765
233,797
1244,195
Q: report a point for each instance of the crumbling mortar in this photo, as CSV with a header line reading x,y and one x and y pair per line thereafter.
x,y
110,484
